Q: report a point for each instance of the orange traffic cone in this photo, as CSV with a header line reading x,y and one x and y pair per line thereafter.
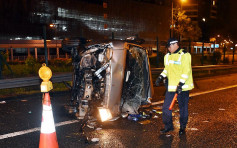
x,y
48,138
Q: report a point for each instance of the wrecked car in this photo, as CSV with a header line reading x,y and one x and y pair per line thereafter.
x,y
109,78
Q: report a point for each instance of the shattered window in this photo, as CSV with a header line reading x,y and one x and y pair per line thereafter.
x,y
134,87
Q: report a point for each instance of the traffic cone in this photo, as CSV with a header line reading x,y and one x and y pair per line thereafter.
x,y
48,138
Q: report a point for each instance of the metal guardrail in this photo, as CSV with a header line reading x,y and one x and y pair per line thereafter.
x,y
31,81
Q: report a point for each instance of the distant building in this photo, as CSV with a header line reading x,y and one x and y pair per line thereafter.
x,y
92,19
198,10
207,13
103,19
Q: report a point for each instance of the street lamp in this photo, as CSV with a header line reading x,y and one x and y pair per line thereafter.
x,y
182,1
172,20
51,25
45,45
55,26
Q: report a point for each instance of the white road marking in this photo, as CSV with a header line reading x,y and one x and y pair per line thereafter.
x,y
211,91
200,93
34,129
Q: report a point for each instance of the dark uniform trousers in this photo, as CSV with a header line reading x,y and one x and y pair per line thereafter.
x,y
183,109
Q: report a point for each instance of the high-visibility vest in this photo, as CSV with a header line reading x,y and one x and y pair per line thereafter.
x,y
178,69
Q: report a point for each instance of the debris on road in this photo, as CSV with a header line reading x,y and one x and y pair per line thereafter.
x,y
145,106
145,115
99,128
133,117
124,115
159,112
159,102
2,102
95,139
176,111
193,129
157,107
91,124
167,135
221,109
145,122
115,118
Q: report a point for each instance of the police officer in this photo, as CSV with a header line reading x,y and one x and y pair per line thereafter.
x,y
178,75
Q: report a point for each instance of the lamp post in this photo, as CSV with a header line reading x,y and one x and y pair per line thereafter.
x,y
224,50
203,40
172,19
182,1
55,27
45,45
233,59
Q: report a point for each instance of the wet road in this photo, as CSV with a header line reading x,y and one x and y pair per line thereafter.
x,y
212,121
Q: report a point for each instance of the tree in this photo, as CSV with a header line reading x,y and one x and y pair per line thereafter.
x,y
184,27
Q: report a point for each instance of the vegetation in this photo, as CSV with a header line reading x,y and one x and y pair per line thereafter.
x,y
184,27
31,67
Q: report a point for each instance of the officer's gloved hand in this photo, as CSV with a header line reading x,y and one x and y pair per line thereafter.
x,y
158,80
179,88
165,81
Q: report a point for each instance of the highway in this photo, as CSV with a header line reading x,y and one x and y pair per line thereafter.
x,y
212,121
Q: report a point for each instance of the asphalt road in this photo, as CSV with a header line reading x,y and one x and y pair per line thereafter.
x,y
212,121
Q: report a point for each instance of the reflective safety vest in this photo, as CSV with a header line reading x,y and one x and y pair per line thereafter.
x,y
178,69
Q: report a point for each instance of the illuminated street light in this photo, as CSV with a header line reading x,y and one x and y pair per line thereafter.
x,y
203,19
51,25
181,5
54,26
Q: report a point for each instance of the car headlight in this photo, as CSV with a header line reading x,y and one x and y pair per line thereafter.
x,y
105,114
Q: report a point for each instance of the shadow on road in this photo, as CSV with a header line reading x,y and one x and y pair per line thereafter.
x,y
166,140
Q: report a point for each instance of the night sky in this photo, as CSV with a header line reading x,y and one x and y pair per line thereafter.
x,y
231,22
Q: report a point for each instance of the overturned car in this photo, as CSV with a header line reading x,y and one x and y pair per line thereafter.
x,y
109,78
